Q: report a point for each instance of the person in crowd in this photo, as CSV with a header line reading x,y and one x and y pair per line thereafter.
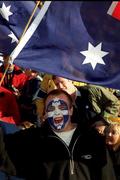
x,y
46,85
112,134
100,126
59,149
14,79
27,108
95,102
10,117
9,110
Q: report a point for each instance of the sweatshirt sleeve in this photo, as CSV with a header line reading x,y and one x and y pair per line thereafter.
x,y
104,102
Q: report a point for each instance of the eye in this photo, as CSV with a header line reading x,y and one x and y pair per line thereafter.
x,y
63,107
50,108
115,132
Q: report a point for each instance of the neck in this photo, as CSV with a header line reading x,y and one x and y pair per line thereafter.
x,y
69,127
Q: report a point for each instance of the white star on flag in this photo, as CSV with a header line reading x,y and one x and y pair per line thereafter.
x,y
14,38
94,55
5,12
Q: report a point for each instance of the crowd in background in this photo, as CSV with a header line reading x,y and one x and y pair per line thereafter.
x,y
22,106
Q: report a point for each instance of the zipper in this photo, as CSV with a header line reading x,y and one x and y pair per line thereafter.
x,y
71,160
70,153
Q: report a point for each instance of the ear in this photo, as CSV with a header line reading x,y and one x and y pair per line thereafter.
x,y
71,111
45,116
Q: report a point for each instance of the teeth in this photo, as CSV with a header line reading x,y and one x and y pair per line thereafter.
x,y
58,120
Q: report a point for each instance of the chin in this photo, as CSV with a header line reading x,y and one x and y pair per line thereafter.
x,y
111,143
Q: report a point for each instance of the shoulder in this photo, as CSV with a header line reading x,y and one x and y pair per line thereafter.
x,y
94,139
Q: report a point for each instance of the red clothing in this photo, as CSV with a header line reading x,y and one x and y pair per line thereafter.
x,y
9,110
16,78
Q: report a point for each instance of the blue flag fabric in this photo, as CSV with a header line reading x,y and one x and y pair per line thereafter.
x,y
13,19
5,176
76,40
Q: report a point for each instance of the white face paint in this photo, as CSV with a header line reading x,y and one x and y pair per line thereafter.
x,y
57,113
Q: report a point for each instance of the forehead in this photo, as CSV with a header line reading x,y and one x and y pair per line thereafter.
x,y
113,128
62,97
60,79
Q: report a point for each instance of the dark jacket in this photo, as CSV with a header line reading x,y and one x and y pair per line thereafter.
x,y
6,164
115,155
40,154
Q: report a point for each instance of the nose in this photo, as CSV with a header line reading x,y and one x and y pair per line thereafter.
x,y
60,86
57,111
109,134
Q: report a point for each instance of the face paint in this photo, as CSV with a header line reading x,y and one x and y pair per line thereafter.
x,y
57,113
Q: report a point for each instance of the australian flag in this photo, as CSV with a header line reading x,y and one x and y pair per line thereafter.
x,y
76,40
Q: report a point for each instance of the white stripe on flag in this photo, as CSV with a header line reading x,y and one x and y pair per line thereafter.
x,y
30,31
112,7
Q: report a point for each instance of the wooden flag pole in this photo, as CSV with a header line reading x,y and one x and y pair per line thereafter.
x,y
30,31
29,21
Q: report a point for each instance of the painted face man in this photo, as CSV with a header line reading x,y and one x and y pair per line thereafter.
x,y
58,112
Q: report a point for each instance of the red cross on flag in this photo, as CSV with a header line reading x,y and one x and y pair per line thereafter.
x,y
114,10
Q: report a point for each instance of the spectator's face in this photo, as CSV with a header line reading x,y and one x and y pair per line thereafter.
x,y
112,134
65,84
100,127
58,112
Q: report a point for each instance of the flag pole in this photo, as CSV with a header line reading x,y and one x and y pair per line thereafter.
x,y
29,21
30,31
24,31
6,69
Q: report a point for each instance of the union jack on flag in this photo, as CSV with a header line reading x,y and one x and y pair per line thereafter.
x,y
114,10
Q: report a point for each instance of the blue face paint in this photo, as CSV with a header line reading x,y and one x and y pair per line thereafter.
x,y
57,113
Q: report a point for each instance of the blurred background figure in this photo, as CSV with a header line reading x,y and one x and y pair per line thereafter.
x,y
14,79
100,126
112,135
27,107
10,116
9,110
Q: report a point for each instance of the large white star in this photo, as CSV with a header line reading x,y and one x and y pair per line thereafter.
x,y
5,12
94,55
14,38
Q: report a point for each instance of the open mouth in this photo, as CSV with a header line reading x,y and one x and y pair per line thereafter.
x,y
58,120
108,140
